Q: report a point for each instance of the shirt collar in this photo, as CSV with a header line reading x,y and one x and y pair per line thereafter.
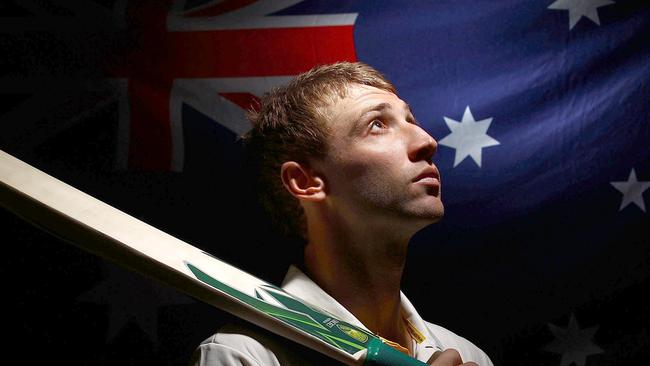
x,y
300,285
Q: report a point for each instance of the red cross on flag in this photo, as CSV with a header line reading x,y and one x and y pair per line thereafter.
x,y
217,58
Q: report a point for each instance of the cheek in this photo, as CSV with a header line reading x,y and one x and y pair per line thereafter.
x,y
361,163
371,165
370,175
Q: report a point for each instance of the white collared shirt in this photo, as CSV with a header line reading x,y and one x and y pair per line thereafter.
x,y
244,344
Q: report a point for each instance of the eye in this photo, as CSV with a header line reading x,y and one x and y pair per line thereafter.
x,y
377,122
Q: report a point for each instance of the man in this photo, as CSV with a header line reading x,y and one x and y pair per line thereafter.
x,y
343,164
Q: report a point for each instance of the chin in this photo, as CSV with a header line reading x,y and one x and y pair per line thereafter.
x,y
436,210
440,212
436,217
429,219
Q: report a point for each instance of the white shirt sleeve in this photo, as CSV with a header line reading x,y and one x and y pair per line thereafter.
x,y
240,344
214,354
232,350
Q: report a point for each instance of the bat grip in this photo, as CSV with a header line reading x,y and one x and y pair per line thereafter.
x,y
381,354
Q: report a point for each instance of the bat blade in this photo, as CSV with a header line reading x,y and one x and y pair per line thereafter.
x,y
103,230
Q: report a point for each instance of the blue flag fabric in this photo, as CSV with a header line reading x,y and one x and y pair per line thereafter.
x,y
541,113
562,103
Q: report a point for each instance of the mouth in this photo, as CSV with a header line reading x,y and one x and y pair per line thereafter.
x,y
428,174
430,177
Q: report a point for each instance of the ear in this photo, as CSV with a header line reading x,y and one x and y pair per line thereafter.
x,y
302,182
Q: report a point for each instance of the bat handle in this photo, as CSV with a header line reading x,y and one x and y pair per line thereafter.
x,y
381,354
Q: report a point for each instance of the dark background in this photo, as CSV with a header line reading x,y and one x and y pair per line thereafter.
x,y
513,287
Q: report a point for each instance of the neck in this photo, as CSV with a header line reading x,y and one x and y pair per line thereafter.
x,y
362,270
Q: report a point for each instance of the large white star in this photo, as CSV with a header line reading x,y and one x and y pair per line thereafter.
x,y
573,343
632,191
468,137
580,8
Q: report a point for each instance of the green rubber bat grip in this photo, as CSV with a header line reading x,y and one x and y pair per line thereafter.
x,y
381,354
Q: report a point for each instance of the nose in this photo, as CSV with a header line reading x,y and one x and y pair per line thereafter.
x,y
424,146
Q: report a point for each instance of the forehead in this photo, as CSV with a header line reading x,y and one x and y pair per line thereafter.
x,y
359,98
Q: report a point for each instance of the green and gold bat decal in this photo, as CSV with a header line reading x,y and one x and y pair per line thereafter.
x,y
341,335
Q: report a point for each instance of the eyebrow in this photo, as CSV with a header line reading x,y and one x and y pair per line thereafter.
x,y
378,108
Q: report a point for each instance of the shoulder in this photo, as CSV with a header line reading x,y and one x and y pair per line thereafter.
x,y
245,344
468,351
232,345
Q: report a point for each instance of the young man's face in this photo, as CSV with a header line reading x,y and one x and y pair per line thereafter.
x,y
376,152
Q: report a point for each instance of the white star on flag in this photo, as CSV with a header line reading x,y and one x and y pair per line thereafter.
x,y
468,137
580,8
132,298
632,191
573,343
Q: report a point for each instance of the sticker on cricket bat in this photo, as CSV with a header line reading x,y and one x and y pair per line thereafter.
x,y
294,312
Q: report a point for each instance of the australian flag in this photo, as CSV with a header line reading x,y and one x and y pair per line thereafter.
x,y
541,110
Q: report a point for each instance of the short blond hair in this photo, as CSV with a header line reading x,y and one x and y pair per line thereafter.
x,y
290,125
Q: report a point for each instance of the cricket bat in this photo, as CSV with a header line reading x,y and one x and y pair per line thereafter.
x,y
103,230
